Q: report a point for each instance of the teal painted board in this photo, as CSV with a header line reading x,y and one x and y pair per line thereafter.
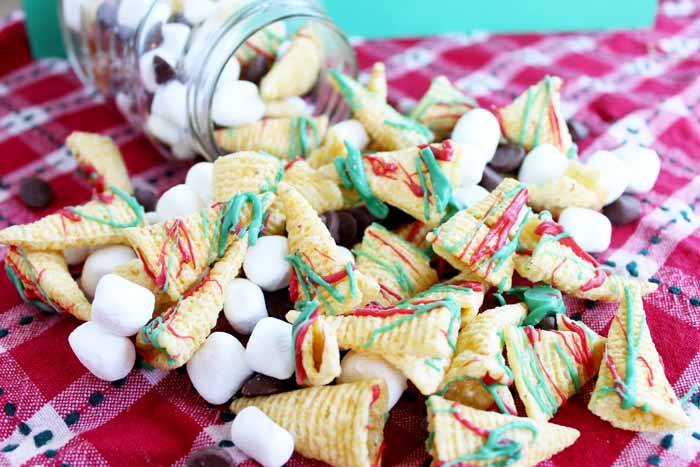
x,y
390,18
42,28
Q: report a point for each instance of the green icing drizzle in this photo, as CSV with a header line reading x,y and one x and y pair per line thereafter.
x,y
346,88
17,282
528,108
352,175
395,269
298,140
550,405
151,333
308,279
572,153
542,301
569,367
229,220
407,124
431,362
130,201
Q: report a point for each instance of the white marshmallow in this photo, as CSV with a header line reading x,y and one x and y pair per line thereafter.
x,y
266,265
542,164
591,229
182,150
105,355
353,132
73,14
269,349
231,72
468,195
244,305
101,262
472,165
259,437
196,11
170,103
346,254
162,130
152,217
175,37
179,201
217,369
614,174
302,107
131,12
121,306
146,70
643,165
77,255
236,103
200,178
357,367
478,126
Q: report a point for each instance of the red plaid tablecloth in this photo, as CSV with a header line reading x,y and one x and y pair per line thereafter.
x,y
641,86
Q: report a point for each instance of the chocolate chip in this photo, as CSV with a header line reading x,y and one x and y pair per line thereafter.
x,y
162,69
508,158
278,303
363,218
577,129
35,193
106,15
262,385
347,229
256,69
396,219
491,179
332,224
548,323
625,210
146,198
210,457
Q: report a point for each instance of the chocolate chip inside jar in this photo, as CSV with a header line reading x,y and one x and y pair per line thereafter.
x,y
256,69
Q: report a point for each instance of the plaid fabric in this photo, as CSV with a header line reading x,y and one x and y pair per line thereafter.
x,y
642,86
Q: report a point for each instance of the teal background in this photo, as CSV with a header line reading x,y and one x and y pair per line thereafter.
x,y
389,18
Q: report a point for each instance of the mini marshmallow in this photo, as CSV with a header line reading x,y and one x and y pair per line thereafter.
x,y
120,306
146,70
244,305
346,254
175,37
162,130
231,72
101,262
196,11
179,201
73,14
615,174
473,164
259,437
266,264
170,103
269,349
77,255
357,367
353,132
236,103
152,217
643,165
468,195
182,149
105,355
544,163
478,126
591,229
200,178
131,12
217,369
303,107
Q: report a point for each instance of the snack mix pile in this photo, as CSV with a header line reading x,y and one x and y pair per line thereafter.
x,y
355,258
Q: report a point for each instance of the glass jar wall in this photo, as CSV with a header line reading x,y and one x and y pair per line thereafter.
x,y
201,76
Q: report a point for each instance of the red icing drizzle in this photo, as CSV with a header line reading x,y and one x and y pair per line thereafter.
x,y
444,153
387,291
29,290
258,50
650,373
378,461
395,250
298,357
415,229
582,352
469,425
177,233
475,286
415,188
289,164
376,392
554,123
380,167
97,180
381,311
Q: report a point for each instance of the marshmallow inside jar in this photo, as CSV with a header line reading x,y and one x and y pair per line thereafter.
x,y
201,76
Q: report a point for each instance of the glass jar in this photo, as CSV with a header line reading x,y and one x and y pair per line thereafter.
x,y
177,68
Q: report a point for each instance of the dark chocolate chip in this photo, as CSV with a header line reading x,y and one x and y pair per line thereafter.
x,y
548,323
146,198
625,210
106,15
491,179
508,158
363,217
347,229
332,224
396,219
35,193
262,385
256,69
162,69
577,129
210,457
278,303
